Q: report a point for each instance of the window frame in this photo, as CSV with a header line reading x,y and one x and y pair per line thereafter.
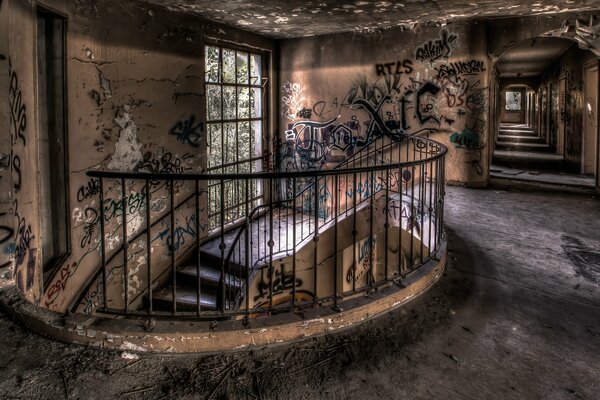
x,y
257,147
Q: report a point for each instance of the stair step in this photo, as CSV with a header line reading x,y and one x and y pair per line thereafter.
x,y
535,147
208,275
517,132
186,299
519,139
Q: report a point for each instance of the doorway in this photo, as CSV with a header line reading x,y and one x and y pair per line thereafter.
x,y
548,128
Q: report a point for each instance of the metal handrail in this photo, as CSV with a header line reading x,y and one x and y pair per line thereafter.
x,y
426,152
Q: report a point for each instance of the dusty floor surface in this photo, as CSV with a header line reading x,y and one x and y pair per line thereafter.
x,y
516,315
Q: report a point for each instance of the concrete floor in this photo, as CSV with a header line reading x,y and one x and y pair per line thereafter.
x,y
516,315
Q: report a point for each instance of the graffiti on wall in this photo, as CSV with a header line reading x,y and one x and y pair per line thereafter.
x,y
186,230
440,48
18,122
362,262
188,131
282,281
292,100
394,68
460,68
385,109
18,110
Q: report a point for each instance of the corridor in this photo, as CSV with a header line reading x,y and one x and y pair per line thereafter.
x,y
516,315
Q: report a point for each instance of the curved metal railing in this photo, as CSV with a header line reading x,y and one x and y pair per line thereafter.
x,y
319,236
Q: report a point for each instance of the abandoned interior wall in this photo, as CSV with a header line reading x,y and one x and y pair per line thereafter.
x,y
565,103
7,244
135,90
430,82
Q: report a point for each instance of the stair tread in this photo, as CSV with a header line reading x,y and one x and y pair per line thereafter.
x,y
185,296
526,144
518,138
209,274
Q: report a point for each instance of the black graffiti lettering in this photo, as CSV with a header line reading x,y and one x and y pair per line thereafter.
x,y
433,50
281,280
23,236
91,189
16,167
91,220
319,108
433,89
18,110
186,132
304,113
401,67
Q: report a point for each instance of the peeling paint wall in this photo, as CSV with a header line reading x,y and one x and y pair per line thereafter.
x,y
432,82
134,74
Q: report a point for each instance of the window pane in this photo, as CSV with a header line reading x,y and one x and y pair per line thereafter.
x,y
242,68
215,151
230,148
212,70
213,102
256,103
513,101
256,138
243,102
228,66
229,102
255,69
244,140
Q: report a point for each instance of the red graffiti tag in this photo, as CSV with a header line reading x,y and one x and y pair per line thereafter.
x,y
65,273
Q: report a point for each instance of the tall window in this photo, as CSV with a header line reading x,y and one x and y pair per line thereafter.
x,y
234,119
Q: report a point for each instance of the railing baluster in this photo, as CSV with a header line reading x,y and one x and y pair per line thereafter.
x,y
412,217
400,218
270,244
148,245
386,226
422,202
316,241
246,254
430,207
124,246
371,277
336,195
354,232
198,260
221,293
103,245
172,245
294,241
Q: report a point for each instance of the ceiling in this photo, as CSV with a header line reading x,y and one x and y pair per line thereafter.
x,y
531,57
296,18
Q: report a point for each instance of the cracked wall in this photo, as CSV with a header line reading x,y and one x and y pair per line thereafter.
x,y
134,79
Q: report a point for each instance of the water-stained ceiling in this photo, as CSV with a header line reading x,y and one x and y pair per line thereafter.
x,y
296,18
531,57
